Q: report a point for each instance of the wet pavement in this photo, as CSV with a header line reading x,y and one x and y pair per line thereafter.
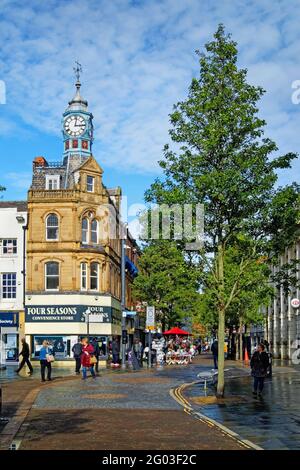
x,y
121,398
272,422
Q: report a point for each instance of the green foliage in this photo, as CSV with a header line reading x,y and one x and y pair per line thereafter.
x,y
166,281
223,160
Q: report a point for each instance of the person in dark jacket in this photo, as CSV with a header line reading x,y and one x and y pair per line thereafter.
x,y
77,351
215,351
259,365
95,345
25,357
115,347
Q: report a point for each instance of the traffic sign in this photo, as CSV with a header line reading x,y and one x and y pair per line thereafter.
x,y
150,320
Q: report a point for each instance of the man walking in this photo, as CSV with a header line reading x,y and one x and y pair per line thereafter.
x,y
77,351
95,345
25,354
214,350
115,346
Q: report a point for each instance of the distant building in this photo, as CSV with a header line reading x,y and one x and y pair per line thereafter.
x,y
13,220
282,329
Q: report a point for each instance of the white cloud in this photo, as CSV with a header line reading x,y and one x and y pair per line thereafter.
x,y
138,59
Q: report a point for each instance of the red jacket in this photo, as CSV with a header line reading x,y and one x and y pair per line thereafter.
x,y
86,355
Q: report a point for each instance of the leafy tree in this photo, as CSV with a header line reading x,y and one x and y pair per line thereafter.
x,y
222,159
166,281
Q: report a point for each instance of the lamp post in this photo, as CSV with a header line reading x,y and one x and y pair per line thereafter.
x,y
123,303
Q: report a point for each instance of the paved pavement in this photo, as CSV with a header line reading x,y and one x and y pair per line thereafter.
x,y
271,422
118,410
134,410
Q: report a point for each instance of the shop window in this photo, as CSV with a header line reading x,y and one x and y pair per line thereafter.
x,y
94,276
85,230
90,183
52,275
52,227
9,285
94,231
8,246
83,276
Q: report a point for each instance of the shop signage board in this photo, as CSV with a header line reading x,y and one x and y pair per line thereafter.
x,y
71,313
9,319
295,303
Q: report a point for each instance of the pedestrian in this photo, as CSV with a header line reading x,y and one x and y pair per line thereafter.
x,y
215,351
115,349
86,359
25,358
95,345
138,351
259,365
77,351
46,358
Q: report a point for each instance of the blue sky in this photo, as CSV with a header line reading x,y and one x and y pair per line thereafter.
x,y
138,59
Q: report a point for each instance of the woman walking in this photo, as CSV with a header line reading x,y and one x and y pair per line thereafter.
x,y
86,363
46,357
259,365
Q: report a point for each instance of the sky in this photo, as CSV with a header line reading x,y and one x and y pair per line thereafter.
x,y
138,59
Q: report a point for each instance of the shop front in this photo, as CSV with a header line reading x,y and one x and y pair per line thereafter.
x,y
62,325
9,338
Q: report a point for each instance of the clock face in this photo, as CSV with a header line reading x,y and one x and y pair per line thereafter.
x,y
75,125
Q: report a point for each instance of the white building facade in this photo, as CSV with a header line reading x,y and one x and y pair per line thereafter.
x,y
282,319
13,221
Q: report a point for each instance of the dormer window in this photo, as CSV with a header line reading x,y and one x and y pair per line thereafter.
x,y
52,182
90,184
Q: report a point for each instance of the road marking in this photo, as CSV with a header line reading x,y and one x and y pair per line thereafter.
x,y
176,394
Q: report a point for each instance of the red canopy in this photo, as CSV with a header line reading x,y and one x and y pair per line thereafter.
x,y
176,331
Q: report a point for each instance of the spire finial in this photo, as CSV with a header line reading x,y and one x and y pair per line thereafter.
x,y
77,71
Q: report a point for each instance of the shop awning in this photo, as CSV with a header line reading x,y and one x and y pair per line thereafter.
x,y
177,331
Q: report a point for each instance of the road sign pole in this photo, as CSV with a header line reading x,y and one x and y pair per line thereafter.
x,y
150,349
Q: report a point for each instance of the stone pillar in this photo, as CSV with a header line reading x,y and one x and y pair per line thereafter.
x,y
284,300
293,313
276,332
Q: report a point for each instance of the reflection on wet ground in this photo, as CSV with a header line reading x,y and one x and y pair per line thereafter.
x,y
272,422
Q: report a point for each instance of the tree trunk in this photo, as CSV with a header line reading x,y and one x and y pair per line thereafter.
x,y
221,326
237,353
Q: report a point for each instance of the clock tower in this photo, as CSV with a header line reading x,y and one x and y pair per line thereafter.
x,y
77,126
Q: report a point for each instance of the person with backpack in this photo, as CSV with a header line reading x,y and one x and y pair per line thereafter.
x,y
77,351
259,365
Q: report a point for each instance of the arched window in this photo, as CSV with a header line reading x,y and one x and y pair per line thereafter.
x,y
52,227
52,275
83,276
94,276
85,230
94,231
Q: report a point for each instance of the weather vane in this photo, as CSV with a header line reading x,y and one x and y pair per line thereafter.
x,y
77,70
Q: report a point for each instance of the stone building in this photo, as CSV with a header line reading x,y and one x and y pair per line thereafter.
x,y
282,328
74,244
